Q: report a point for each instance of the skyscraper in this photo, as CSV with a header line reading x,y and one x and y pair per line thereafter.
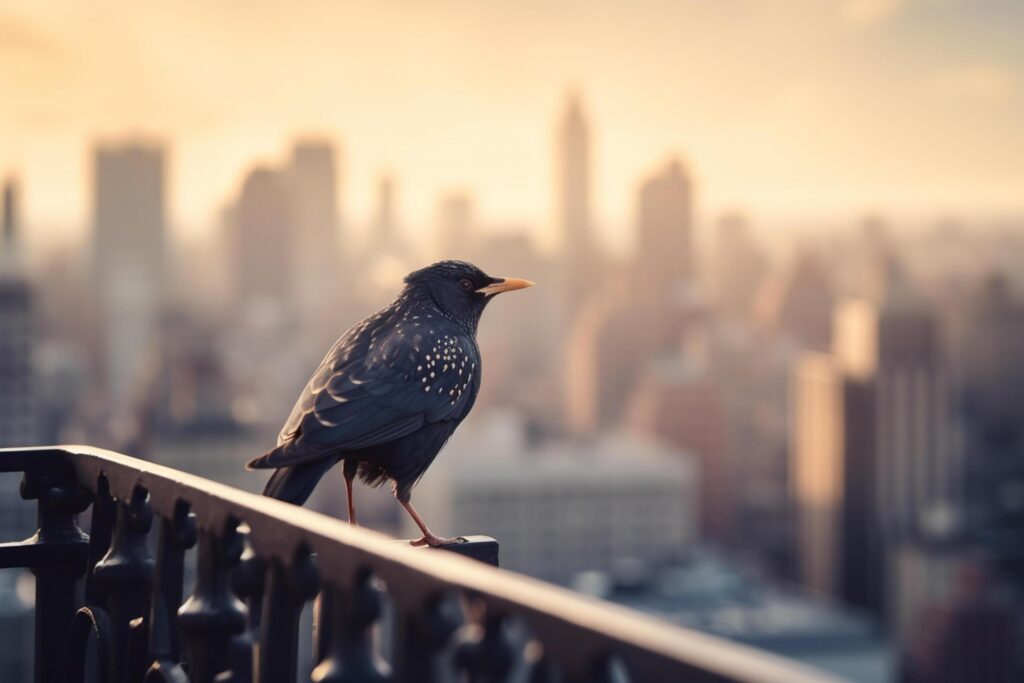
x,y
17,407
800,304
574,222
665,223
456,233
9,233
677,400
385,223
18,425
816,471
262,227
665,259
603,362
991,391
129,226
874,461
314,206
739,266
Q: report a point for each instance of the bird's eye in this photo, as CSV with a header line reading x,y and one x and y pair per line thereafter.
x,y
465,284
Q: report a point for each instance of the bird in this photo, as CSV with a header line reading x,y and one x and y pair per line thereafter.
x,y
390,392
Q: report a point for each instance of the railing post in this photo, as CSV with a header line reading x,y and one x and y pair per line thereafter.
x,y
487,657
345,621
177,535
247,581
91,622
59,501
125,576
287,591
421,632
212,615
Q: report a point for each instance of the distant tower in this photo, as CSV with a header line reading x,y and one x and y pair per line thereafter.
x,y
18,414
10,219
991,382
385,229
739,267
572,175
801,303
666,227
17,406
873,453
262,226
665,262
129,227
456,235
314,205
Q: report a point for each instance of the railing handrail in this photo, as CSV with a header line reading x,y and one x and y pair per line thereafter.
x,y
279,532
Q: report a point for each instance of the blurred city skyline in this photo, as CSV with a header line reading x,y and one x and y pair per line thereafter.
x,y
767,385
805,111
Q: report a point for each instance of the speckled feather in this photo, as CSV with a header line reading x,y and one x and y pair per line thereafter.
x,y
388,394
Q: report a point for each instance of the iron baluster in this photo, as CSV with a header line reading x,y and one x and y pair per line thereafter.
x,y
247,582
212,615
177,535
124,576
421,633
345,636
288,589
59,501
487,656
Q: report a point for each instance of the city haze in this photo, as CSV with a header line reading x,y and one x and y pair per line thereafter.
x,y
807,109
767,386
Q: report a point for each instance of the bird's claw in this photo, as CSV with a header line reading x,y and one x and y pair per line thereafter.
x,y
433,541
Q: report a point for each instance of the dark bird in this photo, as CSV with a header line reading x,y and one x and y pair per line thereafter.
x,y
390,392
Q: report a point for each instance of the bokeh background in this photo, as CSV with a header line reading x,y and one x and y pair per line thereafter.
x,y
769,385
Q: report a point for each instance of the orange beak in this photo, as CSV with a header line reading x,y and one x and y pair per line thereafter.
x,y
506,284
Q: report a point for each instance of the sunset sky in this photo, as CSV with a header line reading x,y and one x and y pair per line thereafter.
x,y
783,107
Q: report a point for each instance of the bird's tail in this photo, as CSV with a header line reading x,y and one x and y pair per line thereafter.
x,y
295,484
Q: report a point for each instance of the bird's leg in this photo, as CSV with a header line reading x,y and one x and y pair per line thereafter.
x,y
349,471
428,538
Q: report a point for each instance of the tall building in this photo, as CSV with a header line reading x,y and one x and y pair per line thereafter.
x,y
455,236
518,342
800,303
389,257
739,267
129,228
19,426
19,418
663,282
563,507
897,351
816,472
677,400
9,223
262,228
666,233
973,633
313,193
385,235
17,407
606,351
991,391
874,459
574,220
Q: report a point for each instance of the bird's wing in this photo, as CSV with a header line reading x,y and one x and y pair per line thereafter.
x,y
399,383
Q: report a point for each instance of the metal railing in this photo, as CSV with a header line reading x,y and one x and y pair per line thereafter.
x,y
109,609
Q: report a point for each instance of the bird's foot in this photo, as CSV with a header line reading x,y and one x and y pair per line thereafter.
x,y
434,541
353,522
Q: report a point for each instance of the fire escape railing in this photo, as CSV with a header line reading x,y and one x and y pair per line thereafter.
x,y
107,603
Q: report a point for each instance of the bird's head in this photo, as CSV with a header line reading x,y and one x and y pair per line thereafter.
x,y
460,289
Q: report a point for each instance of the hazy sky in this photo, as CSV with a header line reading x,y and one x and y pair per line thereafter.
x,y
784,107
